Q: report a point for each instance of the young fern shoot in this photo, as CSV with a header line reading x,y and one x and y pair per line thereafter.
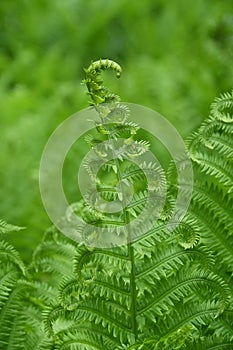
x,y
117,142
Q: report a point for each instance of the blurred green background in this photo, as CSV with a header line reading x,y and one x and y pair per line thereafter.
x,y
176,57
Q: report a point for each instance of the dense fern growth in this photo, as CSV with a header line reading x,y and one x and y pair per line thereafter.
x,y
26,292
211,150
158,291
118,289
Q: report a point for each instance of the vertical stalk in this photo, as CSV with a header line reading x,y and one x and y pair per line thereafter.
x,y
99,95
133,289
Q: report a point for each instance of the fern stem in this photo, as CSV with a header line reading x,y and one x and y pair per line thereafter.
x,y
91,74
133,291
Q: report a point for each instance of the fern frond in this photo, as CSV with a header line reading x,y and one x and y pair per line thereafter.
x,y
164,294
216,202
175,340
91,140
7,281
217,167
94,259
107,318
9,313
9,255
223,325
28,331
211,149
119,114
165,260
86,337
96,90
222,106
197,314
215,239
221,143
6,228
53,257
210,343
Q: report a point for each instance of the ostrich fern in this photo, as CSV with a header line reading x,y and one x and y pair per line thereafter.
x,y
159,290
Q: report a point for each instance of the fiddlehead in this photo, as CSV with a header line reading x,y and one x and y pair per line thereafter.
x,y
98,92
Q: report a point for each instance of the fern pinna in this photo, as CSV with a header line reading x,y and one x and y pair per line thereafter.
x,y
159,290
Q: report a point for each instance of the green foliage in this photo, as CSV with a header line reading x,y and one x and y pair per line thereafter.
x,y
177,58
159,290
26,292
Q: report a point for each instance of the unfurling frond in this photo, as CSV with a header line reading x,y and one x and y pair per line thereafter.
x,y
96,90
